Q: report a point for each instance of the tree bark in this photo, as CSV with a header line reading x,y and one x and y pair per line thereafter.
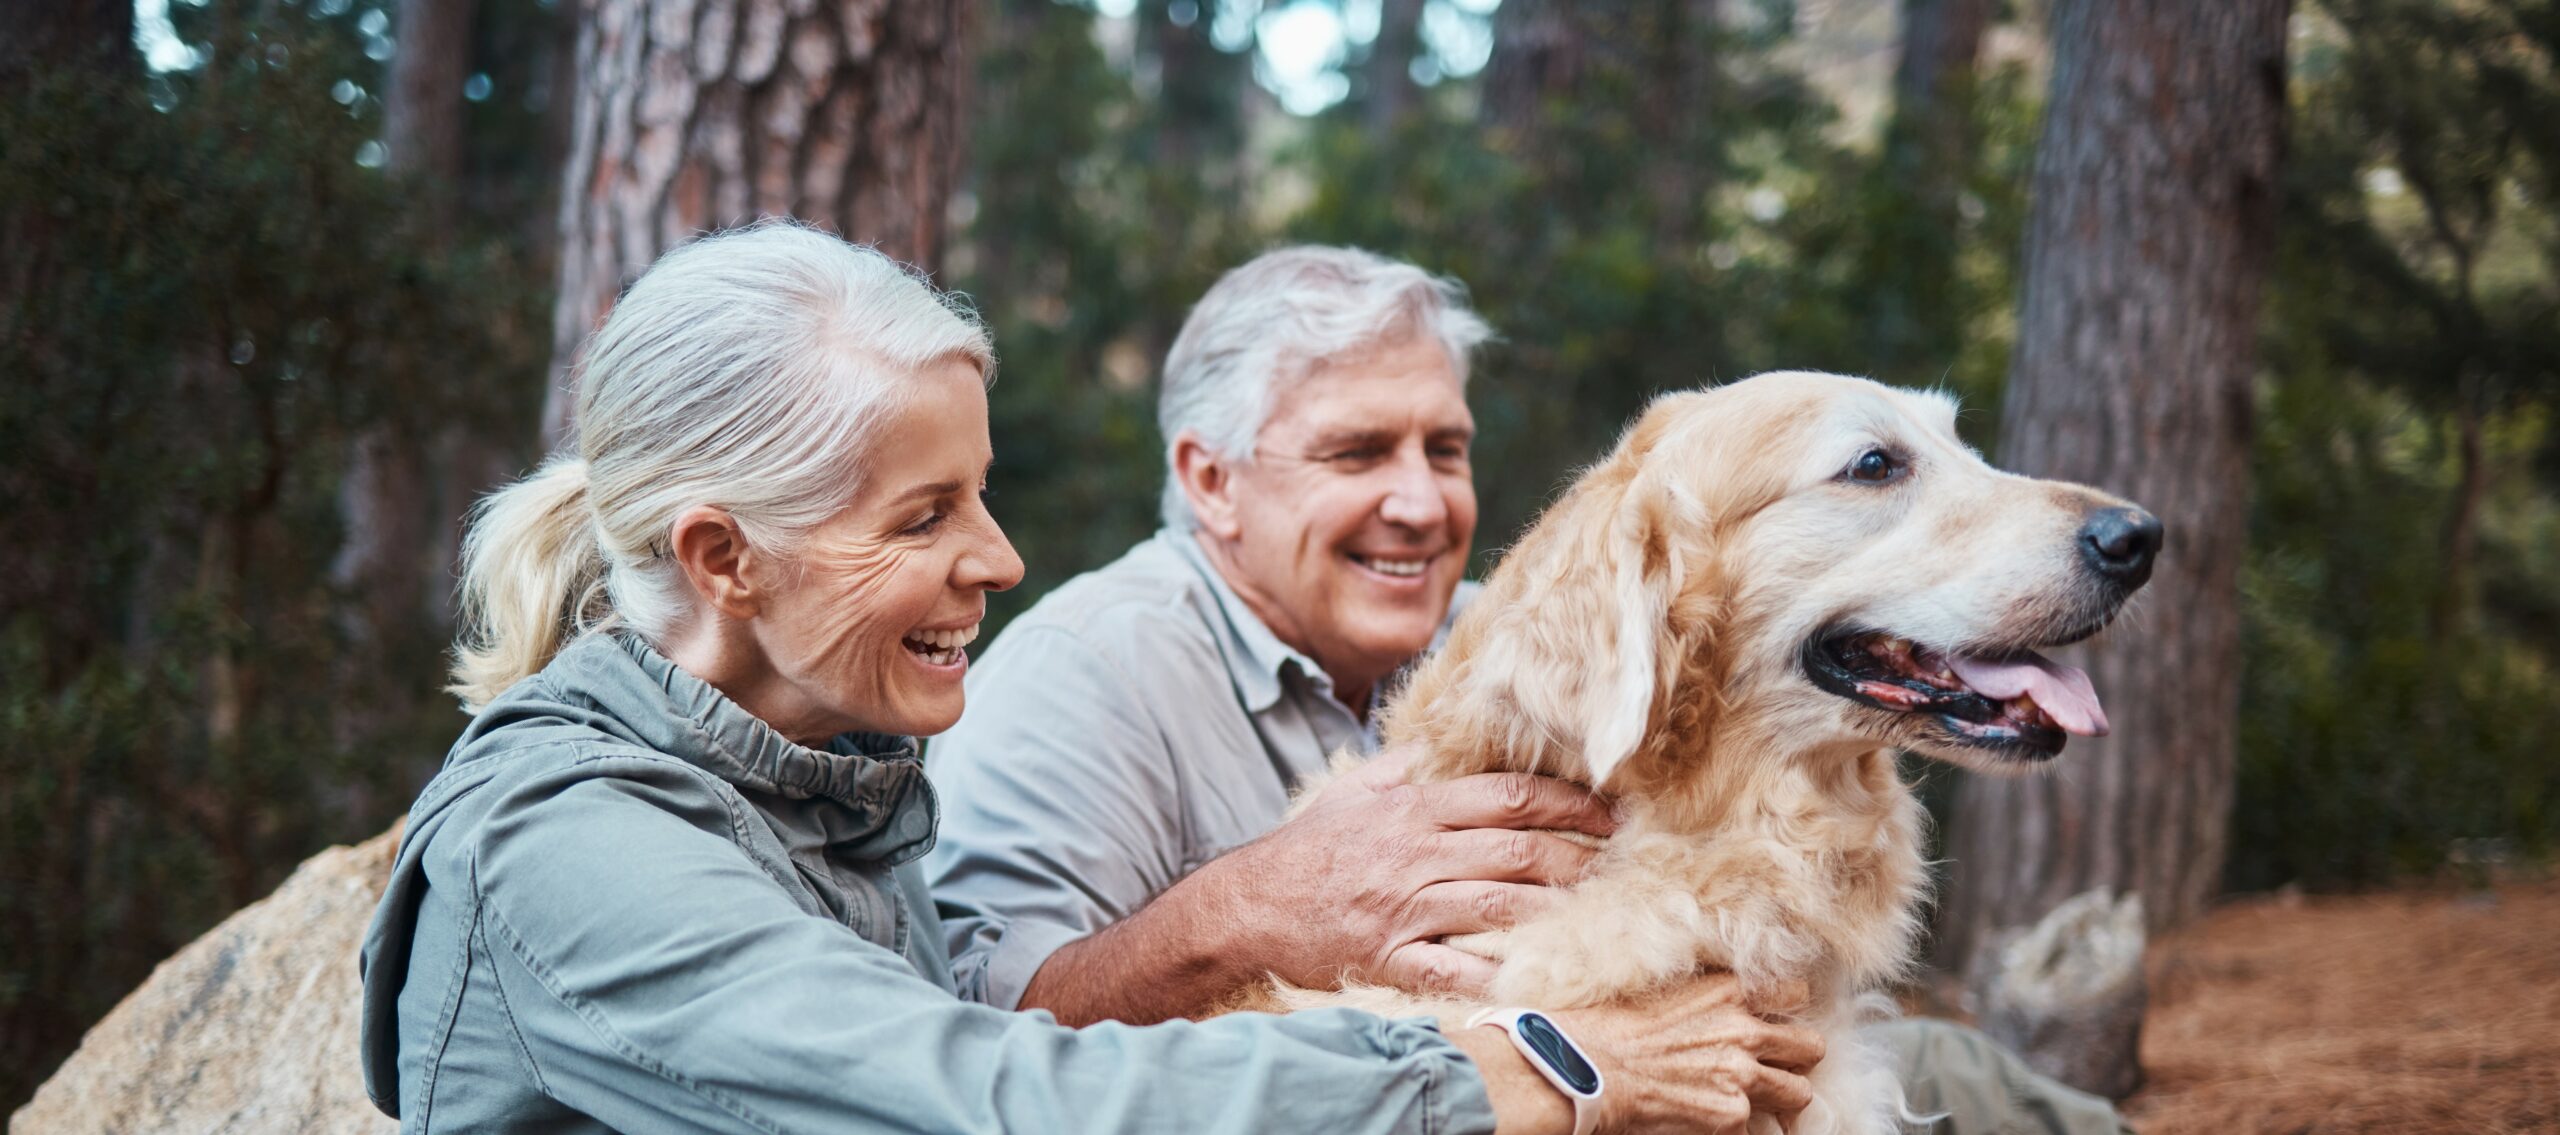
x,y
1390,70
1538,54
693,116
422,112
1566,76
384,565
1932,130
1918,306
2149,239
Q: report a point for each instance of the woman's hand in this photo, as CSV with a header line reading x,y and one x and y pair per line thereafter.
x,y
1695,1058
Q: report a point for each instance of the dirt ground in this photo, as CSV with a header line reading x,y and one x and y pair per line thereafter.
x,y
2406,1013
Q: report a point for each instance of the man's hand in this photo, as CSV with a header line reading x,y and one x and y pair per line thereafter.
x,y
1363,883
1359,886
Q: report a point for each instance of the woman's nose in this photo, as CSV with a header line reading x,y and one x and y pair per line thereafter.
x,y
991,565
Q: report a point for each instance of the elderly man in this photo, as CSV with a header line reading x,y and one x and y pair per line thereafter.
x,y
1114,846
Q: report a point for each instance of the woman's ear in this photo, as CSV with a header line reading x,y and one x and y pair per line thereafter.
x,y
1208,482
724,569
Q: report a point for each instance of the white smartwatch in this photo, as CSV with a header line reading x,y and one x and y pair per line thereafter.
x,y
1555,1056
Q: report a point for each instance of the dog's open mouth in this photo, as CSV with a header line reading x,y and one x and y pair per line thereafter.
x,y
2019,701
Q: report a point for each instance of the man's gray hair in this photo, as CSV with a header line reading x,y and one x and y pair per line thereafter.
x,y
1276,319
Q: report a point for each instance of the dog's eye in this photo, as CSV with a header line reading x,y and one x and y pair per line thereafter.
x,y
1875,467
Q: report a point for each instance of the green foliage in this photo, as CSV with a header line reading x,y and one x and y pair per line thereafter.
x,y
1100,215
1768,252
2400,674
2374,745
208,298
2403,676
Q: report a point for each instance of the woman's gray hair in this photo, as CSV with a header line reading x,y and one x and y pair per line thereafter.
x,y
1277,318
746,371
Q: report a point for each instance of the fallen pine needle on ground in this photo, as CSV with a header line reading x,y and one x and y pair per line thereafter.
x,y
2411,1013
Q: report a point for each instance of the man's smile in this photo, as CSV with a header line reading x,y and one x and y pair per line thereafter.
x,y
1397,566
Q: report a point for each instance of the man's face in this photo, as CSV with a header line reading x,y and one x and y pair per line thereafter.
x,y
1350,524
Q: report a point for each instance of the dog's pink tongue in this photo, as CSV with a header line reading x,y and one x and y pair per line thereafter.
x,y
2063,691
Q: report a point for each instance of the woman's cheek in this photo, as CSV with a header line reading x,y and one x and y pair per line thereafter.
x,y
855,608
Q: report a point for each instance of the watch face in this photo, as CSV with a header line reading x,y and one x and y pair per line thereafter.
x,y
1559,1053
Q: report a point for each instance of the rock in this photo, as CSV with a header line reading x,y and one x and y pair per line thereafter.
x,y
250,1029
2068,994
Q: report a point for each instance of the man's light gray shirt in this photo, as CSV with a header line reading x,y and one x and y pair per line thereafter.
x,y
1134,724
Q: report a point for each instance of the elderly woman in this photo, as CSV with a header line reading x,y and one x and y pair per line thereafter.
x,y
666,880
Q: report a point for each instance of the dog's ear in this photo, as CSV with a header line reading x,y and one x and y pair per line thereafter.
x,y
1640,560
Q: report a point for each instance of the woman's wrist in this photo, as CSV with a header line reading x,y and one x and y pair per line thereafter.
x,y
1524,1103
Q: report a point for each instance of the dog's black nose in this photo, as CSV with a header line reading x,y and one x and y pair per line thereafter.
x,y
2119,544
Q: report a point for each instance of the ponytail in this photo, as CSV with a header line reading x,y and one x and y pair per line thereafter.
x,y
532,578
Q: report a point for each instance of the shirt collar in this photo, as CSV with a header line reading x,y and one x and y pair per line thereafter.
x,y
1256,658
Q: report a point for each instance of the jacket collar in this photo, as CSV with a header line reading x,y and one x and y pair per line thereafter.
x,y
659,704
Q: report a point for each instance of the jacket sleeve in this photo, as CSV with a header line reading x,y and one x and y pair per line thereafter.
x,y
659,979
1061,810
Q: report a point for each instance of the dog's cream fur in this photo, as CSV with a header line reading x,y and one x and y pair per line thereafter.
x,y
1644,638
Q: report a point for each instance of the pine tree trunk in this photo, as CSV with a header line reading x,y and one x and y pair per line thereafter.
x,y
1538,54
2150,237
694,116
1390,70
1932,130
386,564
1919,306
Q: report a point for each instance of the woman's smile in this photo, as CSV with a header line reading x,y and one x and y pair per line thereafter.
x,y
942,649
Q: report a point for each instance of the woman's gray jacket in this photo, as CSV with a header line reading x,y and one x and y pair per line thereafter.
x,y
627,904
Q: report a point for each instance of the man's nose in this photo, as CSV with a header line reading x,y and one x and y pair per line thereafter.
x,y
1413,497
2119,544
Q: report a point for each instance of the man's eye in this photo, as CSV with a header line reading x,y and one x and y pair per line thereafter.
x,y
1875,467
1449,453
931,521
1364,455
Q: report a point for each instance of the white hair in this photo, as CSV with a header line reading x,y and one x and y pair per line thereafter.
x,y
745,371
1276,319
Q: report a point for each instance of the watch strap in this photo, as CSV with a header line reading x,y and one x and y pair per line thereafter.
x,y
1586,1105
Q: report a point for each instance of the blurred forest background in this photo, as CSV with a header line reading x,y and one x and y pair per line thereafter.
x,y
286,283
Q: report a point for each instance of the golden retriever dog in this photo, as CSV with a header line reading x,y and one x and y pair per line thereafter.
x,y
1731,624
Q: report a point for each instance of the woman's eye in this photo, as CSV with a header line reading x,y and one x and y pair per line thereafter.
x,y
931,521
1875,466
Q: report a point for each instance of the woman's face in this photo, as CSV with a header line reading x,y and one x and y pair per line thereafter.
x,y
869,634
